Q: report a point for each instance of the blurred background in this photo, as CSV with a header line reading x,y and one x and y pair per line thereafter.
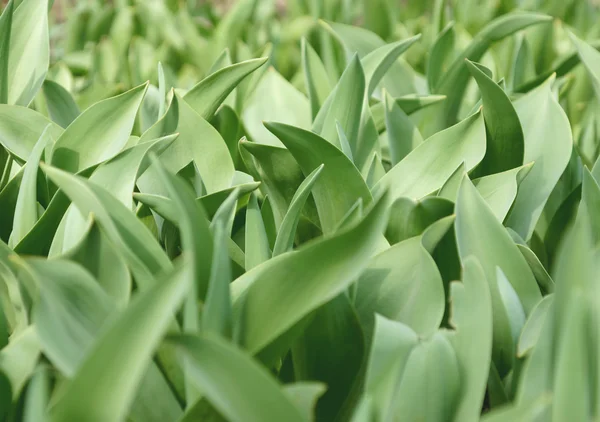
x,y
102,47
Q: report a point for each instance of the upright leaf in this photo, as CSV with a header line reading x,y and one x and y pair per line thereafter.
x,y
26,209
29,51
99,133
254,397
294,284
61,105
105,385
5,33
257,244
345,106
285,237
425,169
340,184
504,134
548,142
471,316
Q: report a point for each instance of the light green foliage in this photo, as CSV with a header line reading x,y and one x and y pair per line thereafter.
x,y
299,210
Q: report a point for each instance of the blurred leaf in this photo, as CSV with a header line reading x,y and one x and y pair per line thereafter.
x,y
126,355
284,105
29,53
5,33
206,97
21,128
255,396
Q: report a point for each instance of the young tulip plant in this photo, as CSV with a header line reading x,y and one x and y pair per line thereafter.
x,y
330,211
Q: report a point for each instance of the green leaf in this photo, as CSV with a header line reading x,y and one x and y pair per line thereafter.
x,y
21,128
391,346
402,283
279,173
533,327
471,317
117,176
403,136
93,252
99,133
294,284
29,51
105,385
133,240
5,33
505,142
254,397
257,244
285,237
527,411
305,395
334,324
198,141
420,395
500,190
70,311
340,183
399,79
548,141
440,56
378,62
427,168
344,106
38,396
454,83
194,231
19,359
275,99
26,209
61,105
523,69
590,59
315,77
216,313
8,202
479,233
572,394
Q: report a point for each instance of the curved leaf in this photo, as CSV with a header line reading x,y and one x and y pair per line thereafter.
x,y
403,284
98,394
426,168
21,128
548,142
505,142
294,284
471,316
377,63
454,83
99,133
285,236
254,397
61,105
29,51
340,183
